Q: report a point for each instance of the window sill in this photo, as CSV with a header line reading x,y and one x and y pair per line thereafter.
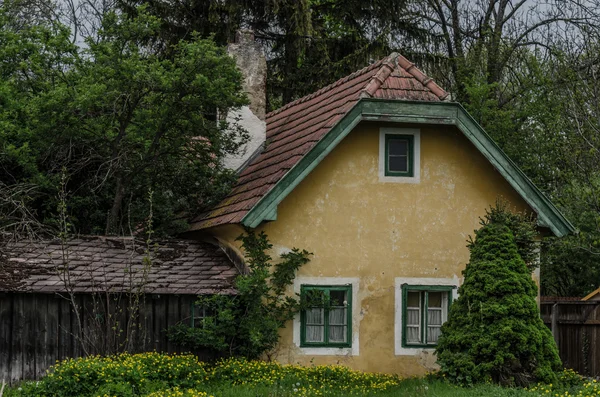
x,y
414,350
327,351
419,346
400,179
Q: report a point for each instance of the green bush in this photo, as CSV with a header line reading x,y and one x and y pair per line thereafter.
x,y
313,380
123,375
494,331
161,375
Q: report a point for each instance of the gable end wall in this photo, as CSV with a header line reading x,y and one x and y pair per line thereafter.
x,y
359,227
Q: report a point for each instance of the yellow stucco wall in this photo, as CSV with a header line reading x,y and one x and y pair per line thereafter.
x,y
359,227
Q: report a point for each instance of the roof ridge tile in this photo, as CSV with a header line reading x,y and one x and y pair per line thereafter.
x,y
427,81
387,67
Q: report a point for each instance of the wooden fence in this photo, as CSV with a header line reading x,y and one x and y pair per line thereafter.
x,y
576,329
38,329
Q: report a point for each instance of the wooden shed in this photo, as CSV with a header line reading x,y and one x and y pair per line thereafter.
x,y
100,295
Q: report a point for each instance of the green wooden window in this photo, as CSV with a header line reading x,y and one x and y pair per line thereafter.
x,y
399,155
326,320
424,310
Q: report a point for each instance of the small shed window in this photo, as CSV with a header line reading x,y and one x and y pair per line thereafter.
x,y
399,155
424,310
199,316
326,320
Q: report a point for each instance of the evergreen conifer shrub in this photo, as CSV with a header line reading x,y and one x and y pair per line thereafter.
x,y
494,331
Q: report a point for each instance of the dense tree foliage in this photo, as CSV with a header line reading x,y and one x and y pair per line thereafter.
x,y
494,331
310,43
118,120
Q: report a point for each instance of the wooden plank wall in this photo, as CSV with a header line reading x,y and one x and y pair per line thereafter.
x,y
36,330
577,333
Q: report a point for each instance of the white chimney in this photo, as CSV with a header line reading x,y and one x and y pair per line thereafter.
x,y
251,62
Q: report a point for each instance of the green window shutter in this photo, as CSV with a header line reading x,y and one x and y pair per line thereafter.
x,y
424,292
399,155
328,323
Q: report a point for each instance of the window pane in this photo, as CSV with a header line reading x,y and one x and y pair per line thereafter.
x,y
412,335
414,299
337,298
315,333
337,316
337,334
398,147
434,317
398,164
413,317
435,299
315,316
433,334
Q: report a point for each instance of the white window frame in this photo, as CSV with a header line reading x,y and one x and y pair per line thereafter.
x,y
416,134
418,281
329,351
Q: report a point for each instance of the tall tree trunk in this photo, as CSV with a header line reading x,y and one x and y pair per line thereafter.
x,y
459,63
493,62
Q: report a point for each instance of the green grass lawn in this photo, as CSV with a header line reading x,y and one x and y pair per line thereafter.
x,y
407,388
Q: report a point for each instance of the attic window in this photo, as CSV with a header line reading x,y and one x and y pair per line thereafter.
x,y
399,155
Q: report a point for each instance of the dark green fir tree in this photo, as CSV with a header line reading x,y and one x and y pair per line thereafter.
x,y
494,331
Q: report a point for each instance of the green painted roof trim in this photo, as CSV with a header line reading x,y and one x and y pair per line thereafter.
x,y
443,113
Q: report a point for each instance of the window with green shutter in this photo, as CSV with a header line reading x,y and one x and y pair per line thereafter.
x,y
424,310
326,320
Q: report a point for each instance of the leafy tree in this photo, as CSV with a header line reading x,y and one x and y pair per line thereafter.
x,y
120,118
494,331
570,266
310,43
247,323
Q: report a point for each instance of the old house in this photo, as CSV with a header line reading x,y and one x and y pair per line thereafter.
x,y
383,178
380,175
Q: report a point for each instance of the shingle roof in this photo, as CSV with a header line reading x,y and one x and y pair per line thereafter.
x,y
295,129
116,264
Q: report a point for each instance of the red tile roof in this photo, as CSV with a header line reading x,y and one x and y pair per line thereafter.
x,y
293,130
115,264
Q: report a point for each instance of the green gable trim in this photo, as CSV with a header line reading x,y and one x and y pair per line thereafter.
x,y
442,113
290,180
